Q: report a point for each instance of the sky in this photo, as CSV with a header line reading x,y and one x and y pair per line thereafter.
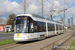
x,y
8,7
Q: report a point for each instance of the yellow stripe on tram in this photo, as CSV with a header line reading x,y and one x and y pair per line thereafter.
x,y
18,34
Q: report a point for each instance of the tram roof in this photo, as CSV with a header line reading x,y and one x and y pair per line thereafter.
x,y
38,16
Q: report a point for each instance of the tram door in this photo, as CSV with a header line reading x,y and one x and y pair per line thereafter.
x,y
30,25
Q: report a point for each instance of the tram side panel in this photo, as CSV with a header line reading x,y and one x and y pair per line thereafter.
x,y
50,29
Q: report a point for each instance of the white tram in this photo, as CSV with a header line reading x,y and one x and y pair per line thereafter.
x,y
30,27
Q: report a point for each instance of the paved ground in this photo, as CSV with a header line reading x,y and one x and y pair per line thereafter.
x,y
35,45
67,44
6,36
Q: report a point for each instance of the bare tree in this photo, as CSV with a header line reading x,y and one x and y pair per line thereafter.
x,y
3,21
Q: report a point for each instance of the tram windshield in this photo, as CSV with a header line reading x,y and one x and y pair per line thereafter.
x,y
20,25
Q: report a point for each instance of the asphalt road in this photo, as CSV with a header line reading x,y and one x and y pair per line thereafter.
x,y
35,45
6,36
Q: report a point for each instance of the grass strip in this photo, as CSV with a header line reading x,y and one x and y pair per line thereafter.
x,y
72,47
4,42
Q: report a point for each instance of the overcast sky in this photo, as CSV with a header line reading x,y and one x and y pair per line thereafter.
x,y
34,6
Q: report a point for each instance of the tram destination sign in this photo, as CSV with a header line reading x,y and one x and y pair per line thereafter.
x,y
18,18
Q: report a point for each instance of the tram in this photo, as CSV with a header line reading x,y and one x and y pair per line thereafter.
x,y
30,27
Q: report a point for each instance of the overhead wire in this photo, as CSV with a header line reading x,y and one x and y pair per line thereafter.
x,y
56,7
52,4
69,7
40,3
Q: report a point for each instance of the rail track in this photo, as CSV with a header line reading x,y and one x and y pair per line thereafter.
x,y
56,43
9,46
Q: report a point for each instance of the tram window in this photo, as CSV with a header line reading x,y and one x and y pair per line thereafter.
x,y
30,25
51,27
43,26
56,27
60,27
35,23
63,27
20,21
48,26
35,26
39,26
